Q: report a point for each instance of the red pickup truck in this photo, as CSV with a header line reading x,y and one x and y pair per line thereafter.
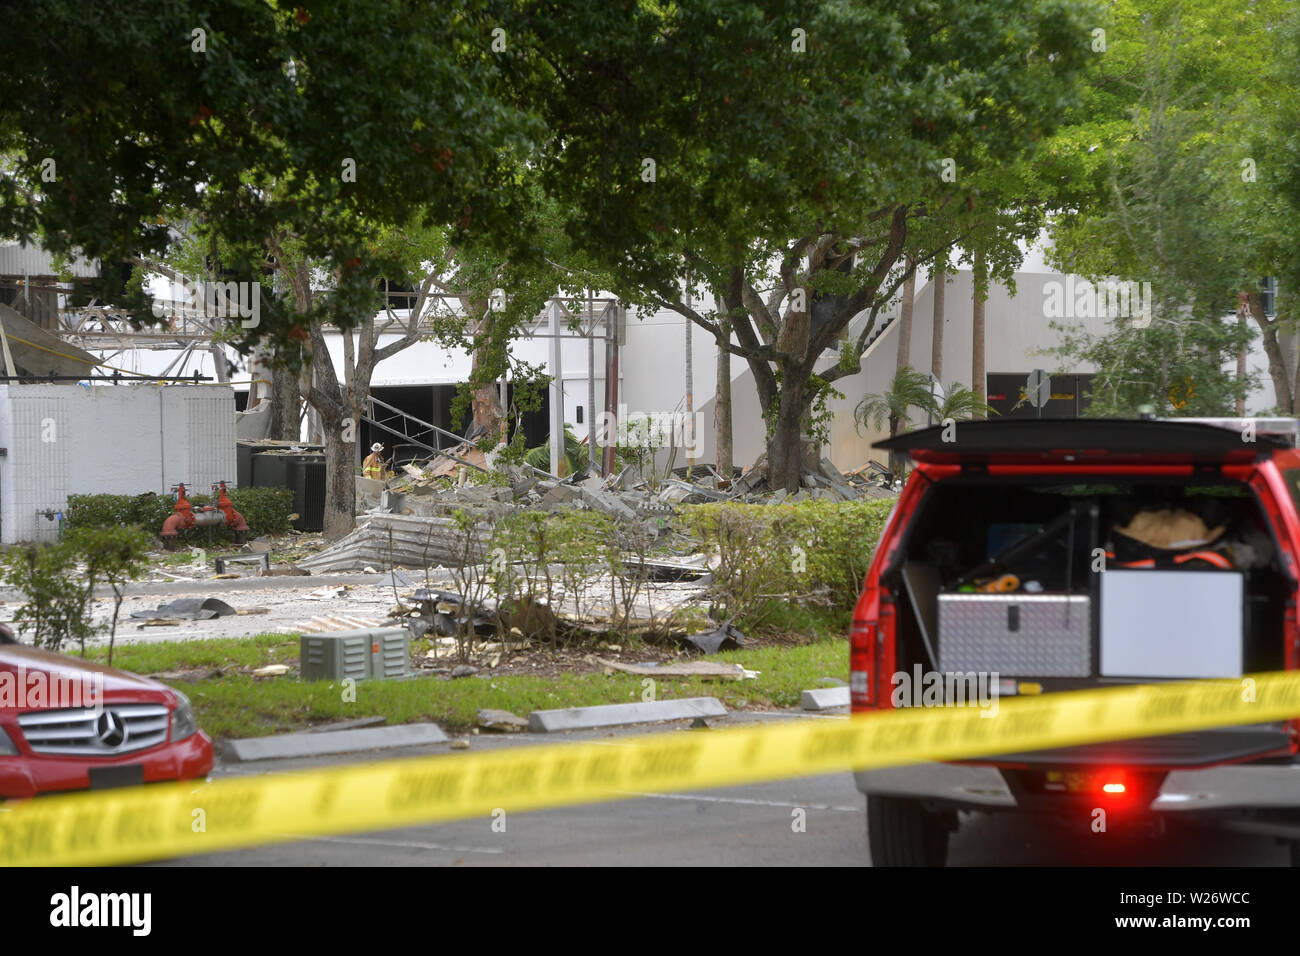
x,y
1037,556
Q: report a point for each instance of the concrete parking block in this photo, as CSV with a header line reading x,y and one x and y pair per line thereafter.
x,y
824,698
311,744
613,715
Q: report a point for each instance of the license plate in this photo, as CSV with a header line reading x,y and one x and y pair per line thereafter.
x,y
108,778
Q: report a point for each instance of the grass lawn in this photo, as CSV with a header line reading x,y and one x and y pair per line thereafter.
x,y
238,705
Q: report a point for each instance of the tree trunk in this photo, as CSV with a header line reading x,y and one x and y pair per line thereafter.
x,y
286,405
977,373
340,482
1283,396
722,414
1242,309
939,280
485,405
1295,386
784,450
905,320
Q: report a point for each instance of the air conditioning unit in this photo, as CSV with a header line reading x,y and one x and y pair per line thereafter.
x,y
376,654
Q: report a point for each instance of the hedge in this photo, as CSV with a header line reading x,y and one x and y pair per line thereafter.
x,y
266,510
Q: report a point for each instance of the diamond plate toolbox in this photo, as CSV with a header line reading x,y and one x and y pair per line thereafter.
x,y
1017,635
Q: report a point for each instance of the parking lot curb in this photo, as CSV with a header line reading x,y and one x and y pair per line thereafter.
x,y
614,715
315,744
824,698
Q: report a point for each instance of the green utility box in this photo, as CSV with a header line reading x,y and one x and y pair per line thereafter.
x,y
380,653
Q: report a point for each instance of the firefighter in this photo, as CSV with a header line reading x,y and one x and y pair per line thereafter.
x,y
373,466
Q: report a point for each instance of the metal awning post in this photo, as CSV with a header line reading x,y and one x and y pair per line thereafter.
x,y
557,387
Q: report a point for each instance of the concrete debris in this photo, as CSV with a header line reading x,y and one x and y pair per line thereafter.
x,y
464,670
272,670
500,720
430,491
323,594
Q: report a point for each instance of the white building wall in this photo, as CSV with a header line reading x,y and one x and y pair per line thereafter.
x,y
119,439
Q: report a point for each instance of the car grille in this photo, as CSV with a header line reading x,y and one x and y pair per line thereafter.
x,y
119,729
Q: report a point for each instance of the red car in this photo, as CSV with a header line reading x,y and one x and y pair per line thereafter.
x,y
67,724
1037,556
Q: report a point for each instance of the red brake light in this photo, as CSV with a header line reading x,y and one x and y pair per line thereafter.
x,y
862,658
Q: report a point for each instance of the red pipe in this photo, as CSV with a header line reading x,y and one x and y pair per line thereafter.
x,y
180,520
184,518
234,520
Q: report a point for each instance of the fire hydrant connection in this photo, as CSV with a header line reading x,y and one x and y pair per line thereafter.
x,y
185,516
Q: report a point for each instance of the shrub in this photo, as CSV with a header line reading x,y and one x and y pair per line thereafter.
x,y
266,510
59,580
541,558
814,551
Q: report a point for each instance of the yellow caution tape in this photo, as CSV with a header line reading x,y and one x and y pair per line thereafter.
x,y
169,820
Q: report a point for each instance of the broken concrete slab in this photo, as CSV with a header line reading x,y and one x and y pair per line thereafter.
x,y
608,504
824,698
616,715
501,720
559,496
311,744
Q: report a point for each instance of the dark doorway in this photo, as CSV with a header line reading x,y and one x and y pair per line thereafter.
x,y
432,404
1006,393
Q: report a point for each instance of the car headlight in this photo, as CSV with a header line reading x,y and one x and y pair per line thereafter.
x,y
7,746
184,723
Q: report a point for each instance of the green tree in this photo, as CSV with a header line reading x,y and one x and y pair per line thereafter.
x,y
114,556
961,404
257,117
909,389
59,579
1160,152
786,156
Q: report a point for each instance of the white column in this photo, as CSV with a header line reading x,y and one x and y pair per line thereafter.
x,y
556,372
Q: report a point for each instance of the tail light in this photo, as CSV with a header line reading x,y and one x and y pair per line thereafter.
x,y
862,661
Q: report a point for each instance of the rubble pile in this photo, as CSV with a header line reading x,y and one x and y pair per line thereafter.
x,y
627,497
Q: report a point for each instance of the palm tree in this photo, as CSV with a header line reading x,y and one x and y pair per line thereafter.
x,y
961,404
909,389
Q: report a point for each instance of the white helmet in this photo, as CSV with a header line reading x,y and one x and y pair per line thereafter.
x,y
377,447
